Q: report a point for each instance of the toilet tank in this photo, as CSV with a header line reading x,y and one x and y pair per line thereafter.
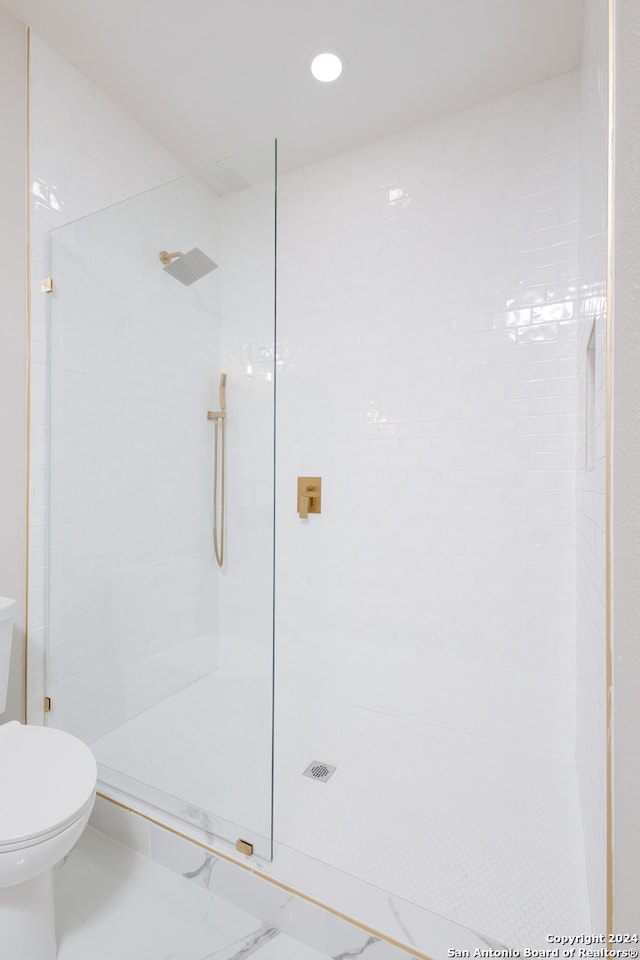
x,y
7,610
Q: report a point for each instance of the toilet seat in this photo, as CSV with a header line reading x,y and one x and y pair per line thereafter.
x,y
53,780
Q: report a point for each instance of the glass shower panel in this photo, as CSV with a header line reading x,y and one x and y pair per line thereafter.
x,y
147,660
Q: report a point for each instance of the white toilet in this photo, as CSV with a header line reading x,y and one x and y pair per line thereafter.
x,y
47,792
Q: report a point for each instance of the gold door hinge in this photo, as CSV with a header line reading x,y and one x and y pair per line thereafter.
x,y
47,285
243,846
47,704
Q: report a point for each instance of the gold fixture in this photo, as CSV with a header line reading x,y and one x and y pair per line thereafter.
x,y
243,846
166,258
589,398
309,496
219,418
47,285
47,705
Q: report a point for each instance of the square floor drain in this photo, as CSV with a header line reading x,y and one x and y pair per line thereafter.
x,y
319,771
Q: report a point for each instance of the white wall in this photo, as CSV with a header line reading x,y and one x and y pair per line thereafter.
x,y
133,595
591,465
247,312
85,155
626,468
427,354
13,336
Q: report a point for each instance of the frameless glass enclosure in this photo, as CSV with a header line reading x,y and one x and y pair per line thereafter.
x,y
161,342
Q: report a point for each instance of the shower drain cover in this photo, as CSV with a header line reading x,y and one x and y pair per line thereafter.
x,y
318,770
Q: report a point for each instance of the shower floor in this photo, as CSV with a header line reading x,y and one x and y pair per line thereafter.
x,y
208,746
470,828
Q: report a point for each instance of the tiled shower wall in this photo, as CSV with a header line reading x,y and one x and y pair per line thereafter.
x,y
114,418
591,466
427,371
133,596
247,310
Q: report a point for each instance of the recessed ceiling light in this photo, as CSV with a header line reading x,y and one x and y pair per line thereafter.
x,y
326,67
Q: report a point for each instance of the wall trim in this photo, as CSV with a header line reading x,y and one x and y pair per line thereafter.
x,y
28,398
609,478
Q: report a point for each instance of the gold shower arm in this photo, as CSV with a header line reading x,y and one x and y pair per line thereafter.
x,y
166,258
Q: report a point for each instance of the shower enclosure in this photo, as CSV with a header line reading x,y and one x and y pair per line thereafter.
x,y
438,624
157,656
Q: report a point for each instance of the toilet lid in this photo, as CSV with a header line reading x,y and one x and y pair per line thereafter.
x,y
46,778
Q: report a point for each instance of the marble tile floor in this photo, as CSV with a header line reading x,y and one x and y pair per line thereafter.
x,y
112,902
499,827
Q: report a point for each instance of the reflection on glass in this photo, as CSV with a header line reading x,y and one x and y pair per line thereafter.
x,y
153,651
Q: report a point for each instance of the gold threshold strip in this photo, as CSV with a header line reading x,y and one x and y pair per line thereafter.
x,y
276,883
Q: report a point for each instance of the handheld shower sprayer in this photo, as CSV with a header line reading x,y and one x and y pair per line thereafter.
x,y
223,393
219,417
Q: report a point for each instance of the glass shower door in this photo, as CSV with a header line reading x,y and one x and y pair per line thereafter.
x,y
161,660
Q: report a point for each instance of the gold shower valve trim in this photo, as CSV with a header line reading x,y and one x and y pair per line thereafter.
x,y
166,257
309,496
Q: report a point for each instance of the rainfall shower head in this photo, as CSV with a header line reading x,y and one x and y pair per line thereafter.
x,y
187,267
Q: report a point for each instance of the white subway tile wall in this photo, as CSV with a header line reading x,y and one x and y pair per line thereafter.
x,y
133,603
590,474
428,288
130,605
247,332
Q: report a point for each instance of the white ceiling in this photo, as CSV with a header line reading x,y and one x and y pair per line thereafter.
x,y
212,77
